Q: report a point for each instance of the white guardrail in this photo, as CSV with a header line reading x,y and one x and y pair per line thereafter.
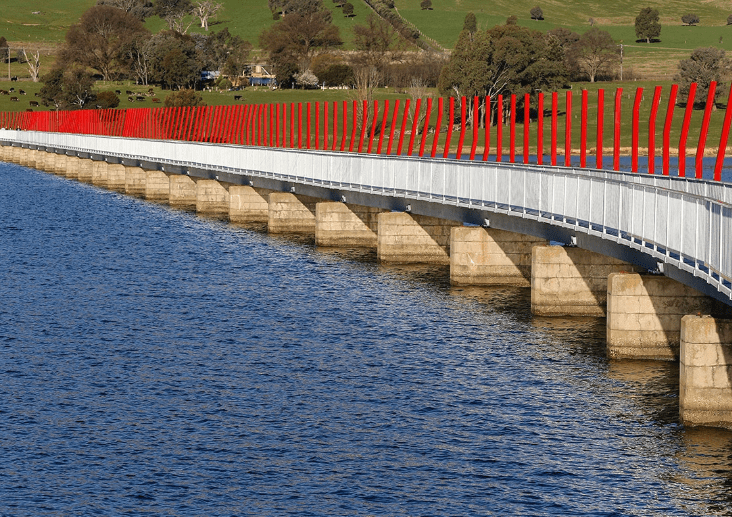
x,y
683,222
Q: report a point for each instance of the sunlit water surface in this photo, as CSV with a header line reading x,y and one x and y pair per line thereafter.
x,y
154,362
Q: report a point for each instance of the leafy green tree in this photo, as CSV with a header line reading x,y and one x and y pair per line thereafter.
x,y
140,9
184,98
174,12
4,49
470,23
536,13
106,100
596,52
690,19
706,64
566,38
647,26
348,10
70,88
171,49
426,5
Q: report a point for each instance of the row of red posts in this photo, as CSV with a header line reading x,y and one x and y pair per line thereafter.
x,y
355,127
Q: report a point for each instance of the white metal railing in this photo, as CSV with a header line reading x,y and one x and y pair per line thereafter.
x,y
683,222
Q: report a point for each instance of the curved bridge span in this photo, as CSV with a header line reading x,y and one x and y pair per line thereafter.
x,y
679,227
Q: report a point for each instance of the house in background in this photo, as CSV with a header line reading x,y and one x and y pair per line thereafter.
x,y
259,75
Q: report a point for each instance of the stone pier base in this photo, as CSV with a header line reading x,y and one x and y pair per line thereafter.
x,y
182,191
248,204
116,177
291,213
59,164
212,198
413,239
644,315
157,186
484,256
571,281
347,226
72,167
705,372
86,170
49,162
99,173
135,181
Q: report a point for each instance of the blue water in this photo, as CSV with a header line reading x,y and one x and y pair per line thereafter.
x,y
158,363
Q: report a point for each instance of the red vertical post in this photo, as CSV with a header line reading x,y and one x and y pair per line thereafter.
x,y
461,139
636,121
325,126
392,126
652,130
335,125
600,121
354,125
568,132
278,118
527,121
415,121
299,125
512,131
450,120
705,129
476,120
266,130
685,128
487,123
317,125
384,118
403,127
499,128
307,125
583,131
540,129
344,136
616,128
724,138
555,101
364,124
292,125
440,109
374,120
426,127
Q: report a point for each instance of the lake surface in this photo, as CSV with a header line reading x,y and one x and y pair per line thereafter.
x,y
155,362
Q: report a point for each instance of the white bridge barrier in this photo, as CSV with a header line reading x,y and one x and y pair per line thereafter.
x,y
682,222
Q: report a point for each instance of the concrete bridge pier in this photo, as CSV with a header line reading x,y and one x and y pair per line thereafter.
x,y
212,198
486,256
413,239
28,158
86,170
571,281
705,372
44,162
17,155
135,181
347,226
157,186
72,167
291,213
117,177
644,315
182,193
248,204
99,173
59,164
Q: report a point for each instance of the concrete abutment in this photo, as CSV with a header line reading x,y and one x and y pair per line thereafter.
x,y
349,226
413,239
291,213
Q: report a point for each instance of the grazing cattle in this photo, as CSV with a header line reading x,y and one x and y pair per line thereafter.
x,y
140,98
155,99
118,92
37,94
131,99
128,92
11,90
22,92
14,99
14,78
34,103
4,92
237,97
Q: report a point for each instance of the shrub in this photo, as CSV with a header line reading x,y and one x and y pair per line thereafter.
x,y
106,100
184,98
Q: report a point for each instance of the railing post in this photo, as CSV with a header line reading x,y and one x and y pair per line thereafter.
x,y
299,125
403,127
487,112
583,130
705,129
568,132
307,127
384,117
450,120
616,129
335,126
636,120
476,120
292,125
344,135
527,120
426,126
724,138
652,130
392,126
499,128
461,139
415,125
555,101
364,124
512,129
600,124
540,129
325,127
440,109
354,125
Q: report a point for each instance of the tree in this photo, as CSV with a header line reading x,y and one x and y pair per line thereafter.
x,y
223,49
5,49
70,88
426,5
306,79
690,19
729,19
376,42
172,49
107,100
595,52
34,64
647,26
566,39
184,98
98,39
205,9
537,13
470,23
348,10
174,12
138,8
135,55
706,64
512,20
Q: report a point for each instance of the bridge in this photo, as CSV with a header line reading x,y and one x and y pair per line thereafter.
x,y
648,251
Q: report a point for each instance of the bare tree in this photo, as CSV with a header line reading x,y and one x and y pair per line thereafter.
x,y
34,64
205,9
